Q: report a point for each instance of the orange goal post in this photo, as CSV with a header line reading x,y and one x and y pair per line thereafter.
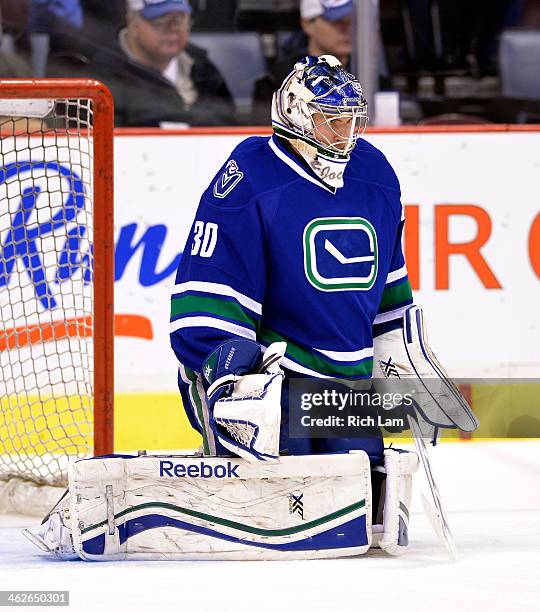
x,y
56,284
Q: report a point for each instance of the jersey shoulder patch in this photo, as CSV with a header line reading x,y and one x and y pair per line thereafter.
x,y
248,172
228,180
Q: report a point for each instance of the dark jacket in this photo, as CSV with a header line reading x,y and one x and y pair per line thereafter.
x,y
143,97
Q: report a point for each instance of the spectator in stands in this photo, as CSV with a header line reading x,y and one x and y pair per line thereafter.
x,y
13,65
328,28
58,36
470,32
69,11
156,75
103,19
12,22
53,26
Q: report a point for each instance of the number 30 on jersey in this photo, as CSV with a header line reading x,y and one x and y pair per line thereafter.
x,y
204,238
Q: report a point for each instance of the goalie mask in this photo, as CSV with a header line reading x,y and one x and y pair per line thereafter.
x,y
320,109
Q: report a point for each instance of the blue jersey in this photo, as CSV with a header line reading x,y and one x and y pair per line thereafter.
x,y
274,254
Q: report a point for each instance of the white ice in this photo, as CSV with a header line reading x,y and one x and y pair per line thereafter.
x,y
492,494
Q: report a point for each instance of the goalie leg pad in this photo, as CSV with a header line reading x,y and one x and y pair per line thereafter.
x,y
393,535
54,534
217,508
404,355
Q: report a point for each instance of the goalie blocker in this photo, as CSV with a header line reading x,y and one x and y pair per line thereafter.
x,y
170,507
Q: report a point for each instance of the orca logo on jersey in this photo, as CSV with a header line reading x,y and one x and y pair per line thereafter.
x,y
228,180
341,254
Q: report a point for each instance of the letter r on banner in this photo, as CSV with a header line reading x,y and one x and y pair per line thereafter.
x,y
471,250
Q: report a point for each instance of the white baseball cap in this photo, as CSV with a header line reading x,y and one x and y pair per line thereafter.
x,y
151,9
331,10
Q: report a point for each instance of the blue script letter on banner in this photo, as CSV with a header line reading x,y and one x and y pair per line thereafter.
x,y
23,238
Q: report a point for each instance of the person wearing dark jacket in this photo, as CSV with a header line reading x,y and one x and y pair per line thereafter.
x,y
156,75
327,30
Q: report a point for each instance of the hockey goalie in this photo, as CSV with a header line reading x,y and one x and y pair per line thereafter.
x,y
293,270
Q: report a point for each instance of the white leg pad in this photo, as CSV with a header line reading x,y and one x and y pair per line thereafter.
x,y
393,535
159,508
54,534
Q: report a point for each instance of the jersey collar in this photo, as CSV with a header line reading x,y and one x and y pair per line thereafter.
x,y
293,162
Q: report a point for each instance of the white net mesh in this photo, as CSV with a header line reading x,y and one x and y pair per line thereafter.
x,y
46,292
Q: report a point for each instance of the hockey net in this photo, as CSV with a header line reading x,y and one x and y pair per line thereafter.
x,y
56,275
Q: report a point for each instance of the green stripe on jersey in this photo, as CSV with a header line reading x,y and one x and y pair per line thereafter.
x,y
315,362
191,304
396,295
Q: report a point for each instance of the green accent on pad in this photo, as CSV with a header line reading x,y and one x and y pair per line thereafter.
x,y
234,524
209,368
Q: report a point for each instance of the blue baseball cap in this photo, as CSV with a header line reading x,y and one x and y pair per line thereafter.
x,y
152,9
331,10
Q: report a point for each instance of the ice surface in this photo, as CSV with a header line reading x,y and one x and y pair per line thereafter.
x,y
492,494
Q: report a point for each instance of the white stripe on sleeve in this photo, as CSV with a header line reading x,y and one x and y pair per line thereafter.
x,y
219,289
396,274
347,356
227,326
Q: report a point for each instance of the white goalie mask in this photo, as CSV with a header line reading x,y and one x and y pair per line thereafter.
x,y
322,105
